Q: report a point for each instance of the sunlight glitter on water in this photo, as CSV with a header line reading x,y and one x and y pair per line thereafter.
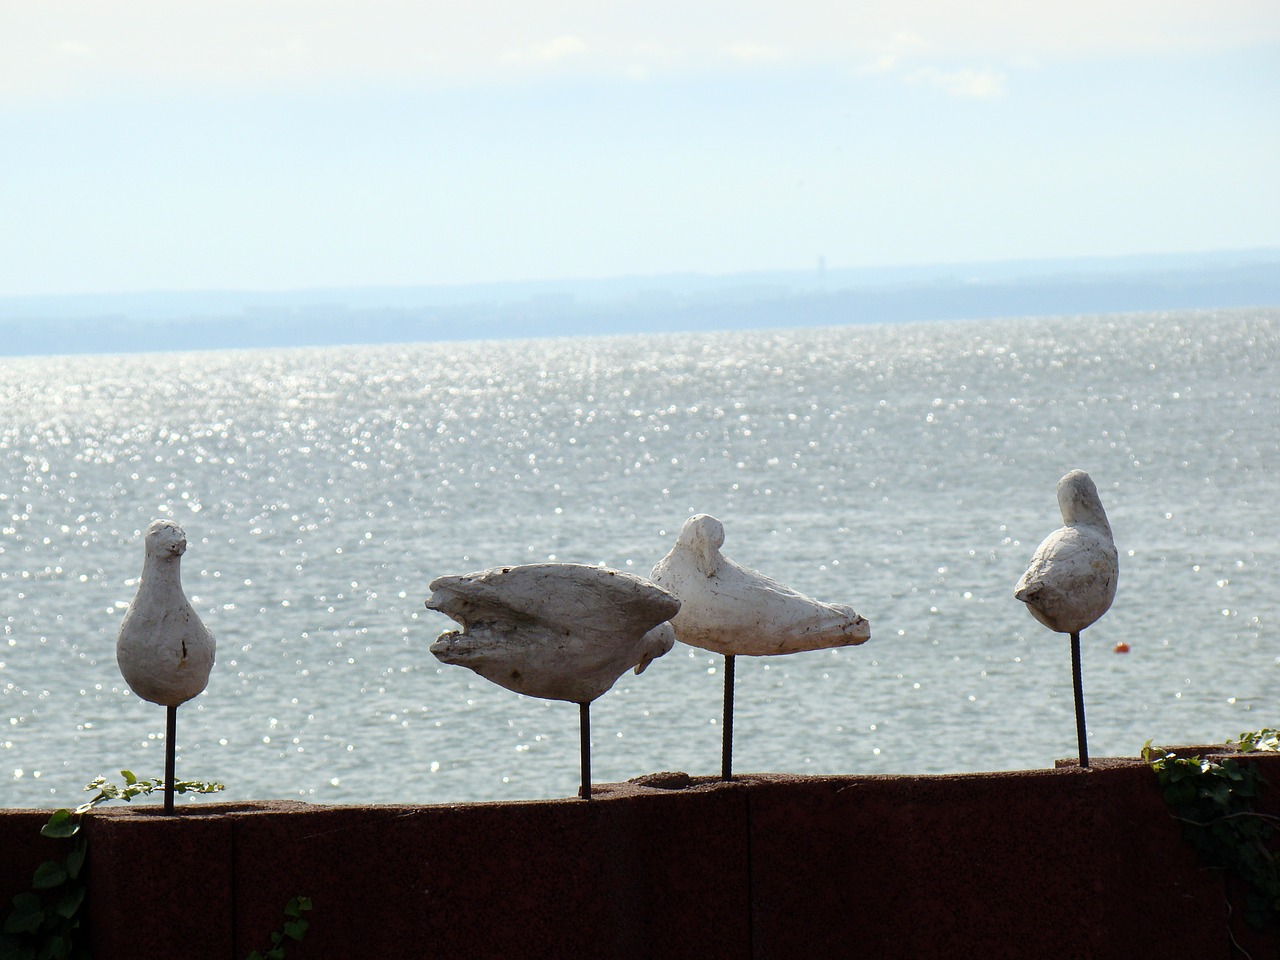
x,y
906,470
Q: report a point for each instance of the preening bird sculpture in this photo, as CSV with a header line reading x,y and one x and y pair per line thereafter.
x,y
164,651
1072,579
732,610
558,631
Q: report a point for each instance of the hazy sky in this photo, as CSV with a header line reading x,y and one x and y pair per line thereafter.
x,y
264,144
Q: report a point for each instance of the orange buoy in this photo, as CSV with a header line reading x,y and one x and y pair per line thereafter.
x,y
1122,648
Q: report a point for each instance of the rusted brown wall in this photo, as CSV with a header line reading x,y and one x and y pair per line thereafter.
x,y
1047,863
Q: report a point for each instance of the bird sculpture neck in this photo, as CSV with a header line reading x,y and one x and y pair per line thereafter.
x,y
1076,513
162,573
1078,500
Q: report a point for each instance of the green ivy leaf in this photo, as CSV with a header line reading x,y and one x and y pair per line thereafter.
x,y
25,904
296,929
197,786
70,902
75,860
57,947
26,916
48,875
61,824
13,949
129,778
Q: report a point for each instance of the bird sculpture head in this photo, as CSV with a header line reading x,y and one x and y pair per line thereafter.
x,y
1079,501
165,540
654,644
703,536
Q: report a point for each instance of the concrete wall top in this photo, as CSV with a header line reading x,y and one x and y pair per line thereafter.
x,y
1046,863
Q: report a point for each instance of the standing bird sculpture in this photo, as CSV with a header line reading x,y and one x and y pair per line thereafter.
x,y
732,610
163,650
1072,578
556,631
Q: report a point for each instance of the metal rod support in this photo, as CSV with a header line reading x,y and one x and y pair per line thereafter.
x,y
726,749
170,752
1078,684
584,748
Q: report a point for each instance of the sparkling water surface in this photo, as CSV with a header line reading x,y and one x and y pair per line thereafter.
x,y
907,470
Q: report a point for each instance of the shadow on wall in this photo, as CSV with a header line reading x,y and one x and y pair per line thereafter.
x,y
1046,863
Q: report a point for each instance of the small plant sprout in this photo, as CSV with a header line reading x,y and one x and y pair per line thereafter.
x,y
294,929
45,921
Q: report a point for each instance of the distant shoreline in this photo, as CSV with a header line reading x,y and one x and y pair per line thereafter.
x,y
151,322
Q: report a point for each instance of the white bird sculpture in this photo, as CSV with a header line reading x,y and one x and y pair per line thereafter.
x,y
1072,579
163,650
731,610
558,631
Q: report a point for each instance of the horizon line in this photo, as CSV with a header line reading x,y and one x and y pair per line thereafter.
x,y
819,269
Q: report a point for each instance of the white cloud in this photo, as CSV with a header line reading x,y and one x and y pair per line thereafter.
x,y
72,49
86,48
561,48
900,47
973,84
751,52
902,58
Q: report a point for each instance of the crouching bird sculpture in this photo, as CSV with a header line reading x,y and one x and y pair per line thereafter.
x,y
731,610
556,631
163,650
1072,578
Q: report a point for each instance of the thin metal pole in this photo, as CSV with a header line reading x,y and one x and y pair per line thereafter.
x,y
170,751
584,748
726,748
1079,691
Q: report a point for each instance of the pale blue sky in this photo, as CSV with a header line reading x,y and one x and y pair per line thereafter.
x,y
283,145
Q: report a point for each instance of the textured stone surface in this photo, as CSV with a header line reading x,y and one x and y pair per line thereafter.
x,y
1073,575
160,886
559,631
1062,863
1050,863
163,650
633,874
732,610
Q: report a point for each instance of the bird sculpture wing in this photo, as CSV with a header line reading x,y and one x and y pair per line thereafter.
x,y
1071,580
1062,551
559,595
559,631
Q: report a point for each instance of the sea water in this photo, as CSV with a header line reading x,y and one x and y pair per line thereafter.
x,y
908,470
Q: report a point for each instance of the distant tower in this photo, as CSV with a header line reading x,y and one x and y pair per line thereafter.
x,y
822,266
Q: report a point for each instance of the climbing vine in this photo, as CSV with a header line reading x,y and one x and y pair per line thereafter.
x,y
293,929
1215,801
1265,740
44,922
